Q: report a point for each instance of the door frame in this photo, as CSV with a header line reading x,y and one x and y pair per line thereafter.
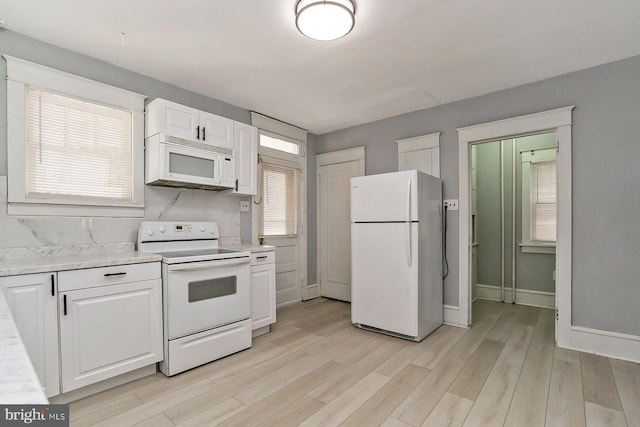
x,y
325,159
558,121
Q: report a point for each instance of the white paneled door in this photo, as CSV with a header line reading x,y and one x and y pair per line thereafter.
x,y
334,232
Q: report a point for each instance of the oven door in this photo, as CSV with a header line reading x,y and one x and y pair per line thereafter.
x,y
206,294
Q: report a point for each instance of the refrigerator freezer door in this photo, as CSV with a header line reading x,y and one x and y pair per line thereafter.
x,y
384,277
385,197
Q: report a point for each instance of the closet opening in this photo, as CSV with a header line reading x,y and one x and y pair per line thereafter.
x,y
514,221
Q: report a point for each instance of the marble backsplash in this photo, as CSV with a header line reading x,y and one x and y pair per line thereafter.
x,y
161,204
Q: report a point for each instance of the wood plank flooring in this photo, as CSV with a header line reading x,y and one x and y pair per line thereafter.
x,y
316,369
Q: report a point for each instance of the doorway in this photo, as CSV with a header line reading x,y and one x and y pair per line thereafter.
x,y
513,217
334,171
558,120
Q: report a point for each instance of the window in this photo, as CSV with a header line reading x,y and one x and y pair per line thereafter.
x,y
279,144
539,206
280,201
543,201
75,147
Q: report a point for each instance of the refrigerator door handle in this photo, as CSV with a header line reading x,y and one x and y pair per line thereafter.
x,y
408,224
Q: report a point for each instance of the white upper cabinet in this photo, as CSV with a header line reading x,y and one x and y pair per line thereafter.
x,y
216,130
185,122
246,152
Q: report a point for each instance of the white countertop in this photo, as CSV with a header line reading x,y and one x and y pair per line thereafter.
x,y
60,261
18,381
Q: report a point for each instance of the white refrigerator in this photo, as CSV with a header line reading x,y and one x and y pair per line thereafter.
x,y
396,253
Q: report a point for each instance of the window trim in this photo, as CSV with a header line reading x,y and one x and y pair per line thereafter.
x,y
528,245
20,74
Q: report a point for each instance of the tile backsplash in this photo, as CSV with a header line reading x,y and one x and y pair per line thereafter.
x,y
161,204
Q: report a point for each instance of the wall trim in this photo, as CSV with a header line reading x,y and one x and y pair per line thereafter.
x,y
523,296
342,156
452,316
560,121
421,142
605,343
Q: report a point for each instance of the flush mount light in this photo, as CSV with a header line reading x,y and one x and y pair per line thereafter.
x,y
325,19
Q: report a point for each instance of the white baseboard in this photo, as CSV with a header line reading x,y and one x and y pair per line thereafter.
x,y
310,292
606,343
523,296
104,385
286,303
452,315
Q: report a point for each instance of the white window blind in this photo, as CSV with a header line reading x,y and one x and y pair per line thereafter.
x,y
76,149
543,201
279,200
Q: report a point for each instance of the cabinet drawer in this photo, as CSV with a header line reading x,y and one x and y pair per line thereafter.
x,y
263,258
102,276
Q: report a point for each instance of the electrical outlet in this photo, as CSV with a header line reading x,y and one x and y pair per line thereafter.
x,y
450,204
244,206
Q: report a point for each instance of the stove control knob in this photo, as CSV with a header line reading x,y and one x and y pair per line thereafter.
x,y
202,228
162,229
212,230
149,232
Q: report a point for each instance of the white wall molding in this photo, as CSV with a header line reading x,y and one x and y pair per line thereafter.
x,y
421,142
342,156
605,343
558,120
452,316
523,296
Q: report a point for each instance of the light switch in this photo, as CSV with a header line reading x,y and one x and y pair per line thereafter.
x,y
244,206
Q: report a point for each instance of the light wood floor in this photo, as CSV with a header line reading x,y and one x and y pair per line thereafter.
x,y
315,369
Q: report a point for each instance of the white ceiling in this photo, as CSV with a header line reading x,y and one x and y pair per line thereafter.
x,y
403,55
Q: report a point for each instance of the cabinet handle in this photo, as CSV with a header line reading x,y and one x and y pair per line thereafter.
x,y
53,286
64,304
236,184
204,138
197,132
122,273
261,257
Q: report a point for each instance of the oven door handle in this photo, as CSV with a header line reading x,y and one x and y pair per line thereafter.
x,y
201,265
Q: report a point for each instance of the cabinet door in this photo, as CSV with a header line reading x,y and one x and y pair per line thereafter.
x,y
168,117
109,330
216,130
263,295
246,151
33,304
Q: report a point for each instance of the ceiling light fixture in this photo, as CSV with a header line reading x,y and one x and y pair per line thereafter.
x,y
325,19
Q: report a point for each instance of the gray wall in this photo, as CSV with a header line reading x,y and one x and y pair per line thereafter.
x,y
606,177
162,203
533,271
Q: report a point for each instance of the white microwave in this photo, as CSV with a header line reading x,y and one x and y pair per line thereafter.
x,y
177,162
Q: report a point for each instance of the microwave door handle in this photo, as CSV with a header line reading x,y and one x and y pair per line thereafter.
x,y
217,168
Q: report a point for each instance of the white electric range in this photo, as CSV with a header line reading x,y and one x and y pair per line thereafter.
x,y
206,293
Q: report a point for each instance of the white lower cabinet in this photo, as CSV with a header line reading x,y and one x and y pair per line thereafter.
x,y
32,300
84,326
263,291
108,329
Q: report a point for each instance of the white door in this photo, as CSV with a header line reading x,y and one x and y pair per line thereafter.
x,y
334,233
33,304
421,153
